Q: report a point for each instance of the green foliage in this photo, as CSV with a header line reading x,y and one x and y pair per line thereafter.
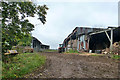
x,y
25,41
15,26
22,64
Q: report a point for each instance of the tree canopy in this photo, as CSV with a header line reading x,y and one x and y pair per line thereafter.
x,y
15,26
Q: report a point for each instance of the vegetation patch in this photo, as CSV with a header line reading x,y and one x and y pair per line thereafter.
x,y
112,56
97,55
116,56
72,51
50,50
22,64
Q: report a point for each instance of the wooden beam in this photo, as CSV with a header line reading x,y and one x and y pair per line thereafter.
x,y
100,31
110,39
108,36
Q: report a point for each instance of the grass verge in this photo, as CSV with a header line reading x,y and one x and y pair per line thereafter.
x,y
97,55
50,50
22,64
116,56
113,56
72,51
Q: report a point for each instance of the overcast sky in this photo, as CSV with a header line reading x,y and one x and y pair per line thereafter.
x,y
63,17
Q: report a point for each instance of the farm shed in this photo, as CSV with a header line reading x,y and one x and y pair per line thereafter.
x,y
84,38
100,40
38,46
79,38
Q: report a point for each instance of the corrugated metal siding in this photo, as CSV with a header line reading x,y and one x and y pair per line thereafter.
x,y
79,33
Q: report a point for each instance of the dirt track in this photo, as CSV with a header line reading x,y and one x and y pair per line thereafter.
x,y
76,66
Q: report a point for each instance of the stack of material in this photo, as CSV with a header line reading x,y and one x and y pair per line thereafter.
x,y
12,52
106,51
18,48
28,49
22,49
116,48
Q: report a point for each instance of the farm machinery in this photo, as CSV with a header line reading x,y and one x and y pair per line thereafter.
x,y
61,48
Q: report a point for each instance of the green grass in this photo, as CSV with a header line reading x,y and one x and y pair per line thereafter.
x,y
97,55
72,51
22,64
116,56
50,50
113,56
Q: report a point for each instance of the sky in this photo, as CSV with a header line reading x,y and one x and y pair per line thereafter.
x,y
62,17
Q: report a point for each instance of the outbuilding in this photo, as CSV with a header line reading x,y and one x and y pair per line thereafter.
x,y
38,46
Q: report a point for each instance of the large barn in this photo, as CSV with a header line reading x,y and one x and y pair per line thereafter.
x,y
84,38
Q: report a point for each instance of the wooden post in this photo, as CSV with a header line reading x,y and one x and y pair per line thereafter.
x,y
88,43
78,42
66,46
111,40
71,42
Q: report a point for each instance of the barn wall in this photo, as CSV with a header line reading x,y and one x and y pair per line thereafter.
x,y
82,43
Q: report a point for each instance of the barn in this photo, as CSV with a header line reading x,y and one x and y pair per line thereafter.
x,y
38,46
86,38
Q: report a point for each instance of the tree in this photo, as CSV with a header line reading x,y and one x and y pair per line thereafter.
x,y
14,25
26,40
